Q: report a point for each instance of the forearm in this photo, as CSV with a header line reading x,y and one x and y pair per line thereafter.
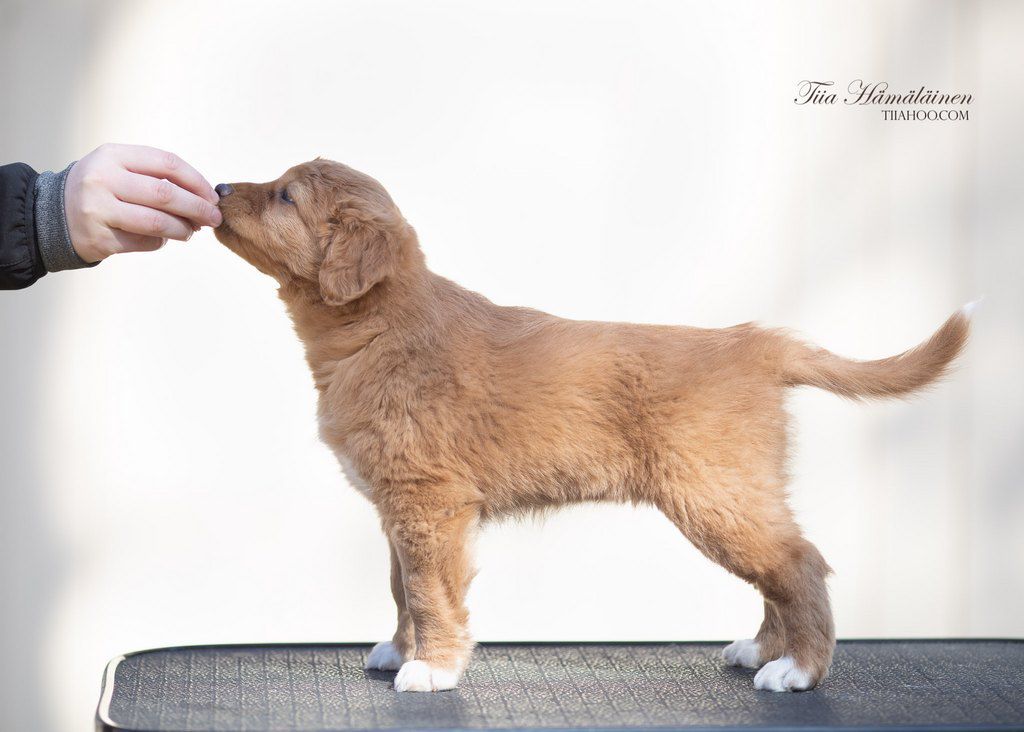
x,y
34,236
20,261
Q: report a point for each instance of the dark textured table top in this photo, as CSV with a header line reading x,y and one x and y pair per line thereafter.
x,y
934,684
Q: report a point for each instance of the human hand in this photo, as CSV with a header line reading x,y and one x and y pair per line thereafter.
x,y
131,198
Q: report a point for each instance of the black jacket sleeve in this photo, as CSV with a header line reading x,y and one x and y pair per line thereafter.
x,y
21,263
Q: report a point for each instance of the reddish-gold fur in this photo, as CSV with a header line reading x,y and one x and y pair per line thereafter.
x,y
454,410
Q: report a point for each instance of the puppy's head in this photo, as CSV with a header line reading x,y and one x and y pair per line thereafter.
x,y
321,226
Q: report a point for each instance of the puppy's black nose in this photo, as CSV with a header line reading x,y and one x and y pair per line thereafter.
x,y
224,189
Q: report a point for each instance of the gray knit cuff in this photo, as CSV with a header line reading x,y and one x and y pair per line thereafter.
x,y
52,233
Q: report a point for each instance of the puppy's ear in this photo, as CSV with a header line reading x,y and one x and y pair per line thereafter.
x,y
358,255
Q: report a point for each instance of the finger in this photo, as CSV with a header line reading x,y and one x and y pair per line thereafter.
x,y
164,195
128,242
137,219
163,164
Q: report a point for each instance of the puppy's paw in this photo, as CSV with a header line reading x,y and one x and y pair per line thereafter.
x,y
743,653
421,676
783,674
384,656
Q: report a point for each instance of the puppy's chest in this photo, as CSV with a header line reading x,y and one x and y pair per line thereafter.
x,y
352,475
329,435
378,434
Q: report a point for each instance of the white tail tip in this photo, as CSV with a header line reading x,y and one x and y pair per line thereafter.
x,y
970,307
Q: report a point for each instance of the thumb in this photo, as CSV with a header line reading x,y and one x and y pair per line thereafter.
x,y
129,242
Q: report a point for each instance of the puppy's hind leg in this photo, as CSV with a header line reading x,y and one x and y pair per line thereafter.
x,y
750,531
390,655
796,589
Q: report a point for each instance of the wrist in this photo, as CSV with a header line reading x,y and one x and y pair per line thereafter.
x,y
52,234
88,254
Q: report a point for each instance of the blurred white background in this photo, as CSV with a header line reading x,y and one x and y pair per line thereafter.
x,y
162,482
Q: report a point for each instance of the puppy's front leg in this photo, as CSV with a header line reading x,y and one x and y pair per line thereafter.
x,y
390,655
434,556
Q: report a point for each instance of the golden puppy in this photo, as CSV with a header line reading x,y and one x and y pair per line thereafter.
x,y
446,411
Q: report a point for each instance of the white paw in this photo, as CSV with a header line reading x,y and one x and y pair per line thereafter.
x,y
782,674
420,676
743,653
385,657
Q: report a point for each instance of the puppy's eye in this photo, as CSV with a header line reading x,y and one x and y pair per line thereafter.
x,y
285,197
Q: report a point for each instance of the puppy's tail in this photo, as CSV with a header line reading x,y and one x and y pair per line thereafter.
x,y
895,376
